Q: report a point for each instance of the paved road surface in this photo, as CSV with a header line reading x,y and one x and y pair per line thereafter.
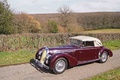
x,y
28,72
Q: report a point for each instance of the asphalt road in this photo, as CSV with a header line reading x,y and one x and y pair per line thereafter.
x,y
28,72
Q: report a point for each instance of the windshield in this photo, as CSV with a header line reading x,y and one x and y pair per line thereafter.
x,y
75,42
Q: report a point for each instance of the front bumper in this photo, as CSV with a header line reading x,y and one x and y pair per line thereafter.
x,y
40,64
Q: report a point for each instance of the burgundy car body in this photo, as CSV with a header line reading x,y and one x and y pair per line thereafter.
x,y
74,55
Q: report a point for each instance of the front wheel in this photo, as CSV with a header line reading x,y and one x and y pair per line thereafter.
x,y
104,57
60,66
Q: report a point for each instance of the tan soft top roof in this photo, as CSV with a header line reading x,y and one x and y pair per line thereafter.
x,y
85,38
88,38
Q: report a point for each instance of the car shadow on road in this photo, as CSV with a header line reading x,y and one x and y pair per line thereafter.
x,y
42,70
85,64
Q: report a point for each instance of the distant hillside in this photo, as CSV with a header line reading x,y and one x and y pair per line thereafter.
x,y
45,17
89,21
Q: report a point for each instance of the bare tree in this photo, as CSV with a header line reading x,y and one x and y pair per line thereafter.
x,y
68,20
65,15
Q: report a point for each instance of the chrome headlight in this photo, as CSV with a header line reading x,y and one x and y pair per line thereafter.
x,y
48,56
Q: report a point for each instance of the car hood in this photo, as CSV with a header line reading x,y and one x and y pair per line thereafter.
x,y
62,49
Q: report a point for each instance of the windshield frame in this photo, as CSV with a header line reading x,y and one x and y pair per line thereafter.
x,y
75,42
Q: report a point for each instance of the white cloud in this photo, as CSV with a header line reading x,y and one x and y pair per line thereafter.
x,y
48,6
95,5
45,7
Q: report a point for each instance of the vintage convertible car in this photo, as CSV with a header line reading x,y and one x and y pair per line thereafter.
x,y
81,50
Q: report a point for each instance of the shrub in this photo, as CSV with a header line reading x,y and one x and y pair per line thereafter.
x,y
53,27
26,23
6,16
35,41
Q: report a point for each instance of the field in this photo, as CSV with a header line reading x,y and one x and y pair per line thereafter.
x,y
103,31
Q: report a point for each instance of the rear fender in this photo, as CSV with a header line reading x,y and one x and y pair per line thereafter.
x,y
105,49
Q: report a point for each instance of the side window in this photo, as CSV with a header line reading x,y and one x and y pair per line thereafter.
x,y
88,43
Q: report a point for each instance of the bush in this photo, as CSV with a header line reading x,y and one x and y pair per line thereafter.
x,y
25,23
53,27
6,17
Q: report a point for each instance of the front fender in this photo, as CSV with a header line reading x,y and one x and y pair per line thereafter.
x,y
71,60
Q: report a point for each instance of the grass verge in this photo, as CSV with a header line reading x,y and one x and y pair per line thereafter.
x,y
109,75
113,45
17,57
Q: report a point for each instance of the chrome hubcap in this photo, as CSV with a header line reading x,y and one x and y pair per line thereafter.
x,y
104,57
60,65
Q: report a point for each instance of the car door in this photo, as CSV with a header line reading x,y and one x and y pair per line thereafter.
x,y
87,52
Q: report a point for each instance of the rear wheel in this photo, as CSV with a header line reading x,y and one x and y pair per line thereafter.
x,y
104,57
60,66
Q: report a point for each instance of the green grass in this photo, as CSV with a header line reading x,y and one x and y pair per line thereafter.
x,y
109,75
113,45
17,57
103,31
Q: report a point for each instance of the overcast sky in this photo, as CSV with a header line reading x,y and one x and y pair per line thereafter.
x,y
51,6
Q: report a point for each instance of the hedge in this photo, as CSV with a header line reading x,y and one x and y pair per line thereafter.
x,y
35,41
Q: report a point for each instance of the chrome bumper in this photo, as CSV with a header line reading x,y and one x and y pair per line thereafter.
x,y
40,64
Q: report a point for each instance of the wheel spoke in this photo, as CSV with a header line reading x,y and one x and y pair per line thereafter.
x,y
104,57
60,66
